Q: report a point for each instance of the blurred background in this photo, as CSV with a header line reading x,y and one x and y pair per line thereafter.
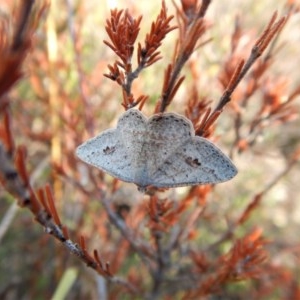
x,y
64,99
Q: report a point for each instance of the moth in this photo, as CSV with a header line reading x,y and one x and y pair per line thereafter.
x,y
161,151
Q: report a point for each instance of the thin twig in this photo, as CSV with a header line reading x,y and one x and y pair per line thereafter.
x,y
139,246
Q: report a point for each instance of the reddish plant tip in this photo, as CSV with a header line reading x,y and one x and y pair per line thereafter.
x,y
148,54
51,204
20,164
82,242
122,30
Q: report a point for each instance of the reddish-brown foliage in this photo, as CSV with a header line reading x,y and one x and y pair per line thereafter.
x,y
165,244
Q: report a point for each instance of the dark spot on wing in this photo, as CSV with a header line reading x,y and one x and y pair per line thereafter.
x,y
193,162
108,150
138,116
